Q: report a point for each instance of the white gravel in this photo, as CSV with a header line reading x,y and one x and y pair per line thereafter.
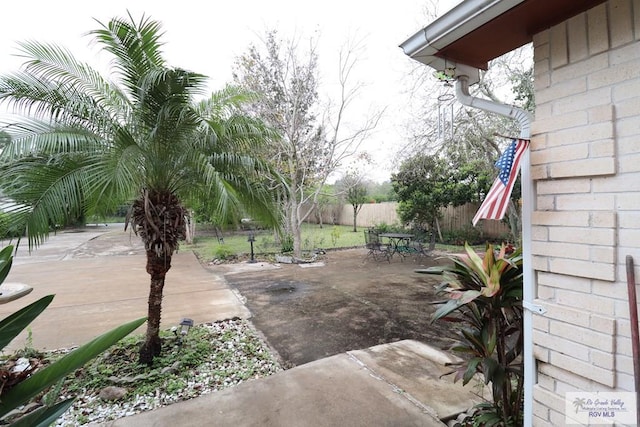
x,y
246,357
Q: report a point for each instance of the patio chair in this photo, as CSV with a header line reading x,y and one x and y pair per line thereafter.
x,y
420,249
377,250
414,248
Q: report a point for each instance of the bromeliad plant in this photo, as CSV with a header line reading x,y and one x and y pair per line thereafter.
x,y
485,299
18,388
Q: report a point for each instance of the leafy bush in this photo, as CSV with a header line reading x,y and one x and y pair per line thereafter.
x,y
223,252
383,227
335,235
485,298
287,243
458,237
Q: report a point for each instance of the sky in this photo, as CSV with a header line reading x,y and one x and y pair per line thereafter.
x,y
206,37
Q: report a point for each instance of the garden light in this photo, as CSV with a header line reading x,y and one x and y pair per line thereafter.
x,y
251,239
185,325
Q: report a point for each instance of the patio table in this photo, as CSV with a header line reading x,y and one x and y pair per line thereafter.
x,y
399,242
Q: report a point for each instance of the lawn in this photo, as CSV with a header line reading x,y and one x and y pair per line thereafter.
x,y
236,243
207,245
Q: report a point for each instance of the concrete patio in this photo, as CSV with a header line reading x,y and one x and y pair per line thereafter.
x,y
397,384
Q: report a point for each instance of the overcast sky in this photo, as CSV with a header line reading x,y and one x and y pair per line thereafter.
x,y
206,37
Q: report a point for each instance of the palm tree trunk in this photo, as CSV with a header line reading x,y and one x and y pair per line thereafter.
x,y
157,268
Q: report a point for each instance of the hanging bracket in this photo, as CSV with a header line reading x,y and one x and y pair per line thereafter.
x,y
534,308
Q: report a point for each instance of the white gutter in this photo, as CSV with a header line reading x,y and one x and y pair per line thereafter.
x,y
524,119
453,25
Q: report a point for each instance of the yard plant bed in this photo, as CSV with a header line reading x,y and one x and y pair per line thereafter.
x,y
211,357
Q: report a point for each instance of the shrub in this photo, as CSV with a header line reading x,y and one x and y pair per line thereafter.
x,y
335,235
287,243
382,227
485,298
223,252
458,237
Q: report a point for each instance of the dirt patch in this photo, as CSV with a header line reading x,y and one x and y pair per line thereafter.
x,y
344,302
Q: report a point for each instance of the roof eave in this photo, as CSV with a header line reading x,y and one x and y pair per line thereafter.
x,y
425,45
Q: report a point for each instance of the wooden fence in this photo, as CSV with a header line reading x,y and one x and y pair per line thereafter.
x,y
371,214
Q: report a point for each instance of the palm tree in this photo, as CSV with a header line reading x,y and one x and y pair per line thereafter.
x,y
84,144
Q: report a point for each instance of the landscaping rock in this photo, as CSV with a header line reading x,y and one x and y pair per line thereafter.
x,y
112,393
284,259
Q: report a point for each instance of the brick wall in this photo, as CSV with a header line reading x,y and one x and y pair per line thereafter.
x,y
585,157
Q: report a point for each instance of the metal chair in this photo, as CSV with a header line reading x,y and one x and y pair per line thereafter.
x,y
376,248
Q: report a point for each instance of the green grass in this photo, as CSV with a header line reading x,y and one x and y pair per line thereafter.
x,y
313,237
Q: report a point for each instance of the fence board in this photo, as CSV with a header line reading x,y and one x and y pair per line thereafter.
x,y
371,214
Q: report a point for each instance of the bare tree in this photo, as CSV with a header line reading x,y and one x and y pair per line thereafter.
x,y
314,141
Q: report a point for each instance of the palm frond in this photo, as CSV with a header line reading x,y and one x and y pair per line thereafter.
x,y
53,85
135,48
47,191
51,62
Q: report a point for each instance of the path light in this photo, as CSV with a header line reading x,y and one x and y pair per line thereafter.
x,y
251,239
185,325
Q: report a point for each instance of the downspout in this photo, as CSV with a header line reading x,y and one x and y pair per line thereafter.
x,y
524,119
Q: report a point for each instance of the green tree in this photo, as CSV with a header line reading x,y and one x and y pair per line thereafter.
x,y
421,187
87,144
426,183
381,192
324,200
355,193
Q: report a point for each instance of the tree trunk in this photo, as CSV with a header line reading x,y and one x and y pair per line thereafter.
x,y
295,229
432,237
355,217
297,242
190,228
157,268
439,231
515,222
188,237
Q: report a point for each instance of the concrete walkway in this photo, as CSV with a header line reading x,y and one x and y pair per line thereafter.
x,y
99,278
391,385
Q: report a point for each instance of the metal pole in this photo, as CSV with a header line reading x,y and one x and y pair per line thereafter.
x,y
635,335
251,239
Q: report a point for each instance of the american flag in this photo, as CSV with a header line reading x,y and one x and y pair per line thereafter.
x,y
497,200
